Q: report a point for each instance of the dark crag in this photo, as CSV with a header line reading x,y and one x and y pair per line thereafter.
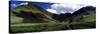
x,y
84,10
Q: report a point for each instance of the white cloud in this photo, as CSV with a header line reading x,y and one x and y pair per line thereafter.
x,y
64,8
52,11
23,3
16,5
83,2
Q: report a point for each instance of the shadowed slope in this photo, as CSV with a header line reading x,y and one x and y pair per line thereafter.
x,y
32,12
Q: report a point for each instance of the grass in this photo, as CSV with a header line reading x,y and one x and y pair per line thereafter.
x,y
38,27
19,27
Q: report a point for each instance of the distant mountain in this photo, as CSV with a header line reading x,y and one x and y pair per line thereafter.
x,y
83,11
34,13
61,17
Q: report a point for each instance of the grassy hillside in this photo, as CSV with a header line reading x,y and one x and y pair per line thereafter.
x,y
45,22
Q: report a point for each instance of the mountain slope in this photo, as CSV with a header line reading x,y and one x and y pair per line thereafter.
x,y
32,12
32,18
77,15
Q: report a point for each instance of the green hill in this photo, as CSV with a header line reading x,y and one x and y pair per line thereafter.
x,y
32,18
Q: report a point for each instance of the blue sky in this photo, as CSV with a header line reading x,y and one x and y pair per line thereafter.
x,y
57,8
44,5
